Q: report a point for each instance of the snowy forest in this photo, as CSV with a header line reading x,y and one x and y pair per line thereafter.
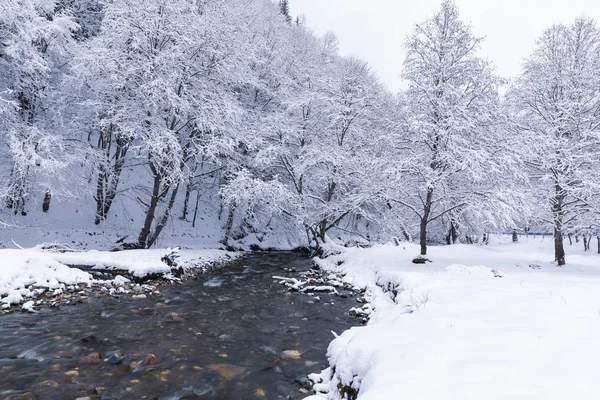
x,y
149,118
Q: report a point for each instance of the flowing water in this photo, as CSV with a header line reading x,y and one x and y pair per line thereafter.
x,y
232,334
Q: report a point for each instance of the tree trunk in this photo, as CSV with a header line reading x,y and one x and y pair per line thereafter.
x,y
143,237
46,203
586,243
425,221
559,250
515,236
186,201
452,234
598,239
318,250
570,240
229,223
109,176
100,195
196,209
558,214
164,219
405,234
322,230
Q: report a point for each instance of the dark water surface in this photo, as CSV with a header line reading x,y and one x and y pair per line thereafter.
x,y
232,334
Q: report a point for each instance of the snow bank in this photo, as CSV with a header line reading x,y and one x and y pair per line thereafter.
x,y
21,270
480,322
24,274
141,262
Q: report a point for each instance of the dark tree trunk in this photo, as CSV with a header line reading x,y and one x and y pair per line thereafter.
x,y
322,230
570,240
196,209
46,203
515,237
559,249
146,229
186,201
100,196
598,240
558,214
425,221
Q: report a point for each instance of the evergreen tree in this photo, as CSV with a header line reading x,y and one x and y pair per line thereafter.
x,y
284,9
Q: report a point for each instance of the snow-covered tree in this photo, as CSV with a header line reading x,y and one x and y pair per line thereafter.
x,y
34,44
160,78
451,109
317,122
556,102
86,13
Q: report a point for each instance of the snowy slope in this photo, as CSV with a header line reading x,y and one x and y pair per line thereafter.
x,y
479,322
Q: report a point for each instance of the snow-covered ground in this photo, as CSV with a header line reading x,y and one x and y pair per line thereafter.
x,y
479,322
28,273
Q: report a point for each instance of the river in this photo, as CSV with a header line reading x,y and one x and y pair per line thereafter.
x,y
233,334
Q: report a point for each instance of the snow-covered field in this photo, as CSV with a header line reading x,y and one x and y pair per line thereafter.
x,y
479,322
28,273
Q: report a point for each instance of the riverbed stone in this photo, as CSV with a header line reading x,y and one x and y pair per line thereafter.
x,y
64,354
293,354
16,395
150,359
227,371
115,358
303,381
91,358
45,385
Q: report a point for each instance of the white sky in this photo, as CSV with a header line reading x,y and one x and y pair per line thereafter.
x,y
375,30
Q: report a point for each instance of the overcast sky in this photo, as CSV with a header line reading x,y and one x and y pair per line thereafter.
x,y
375,30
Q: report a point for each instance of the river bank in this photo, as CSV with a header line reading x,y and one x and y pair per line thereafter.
x,y
43,277
477,322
